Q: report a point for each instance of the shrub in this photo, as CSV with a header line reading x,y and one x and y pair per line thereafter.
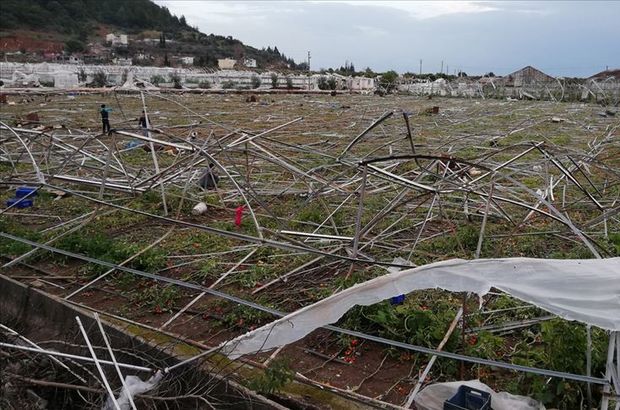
x,y
560,345
82,75
289,83
204,84
276,376
157,298
274,81
103,248
9,247
331,83
322,83
157,79
100,79
176,80
388,80
255,81
228,85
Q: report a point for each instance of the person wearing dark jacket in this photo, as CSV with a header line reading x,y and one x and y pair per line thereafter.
x,y
105,121
142,120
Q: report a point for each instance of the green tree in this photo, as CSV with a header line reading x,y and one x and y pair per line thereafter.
x,y
74,46
157,79
176,80
369,73
274,80
322,83
388,80
100,79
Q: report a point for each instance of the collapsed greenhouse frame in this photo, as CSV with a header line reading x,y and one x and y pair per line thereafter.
x,y
483,190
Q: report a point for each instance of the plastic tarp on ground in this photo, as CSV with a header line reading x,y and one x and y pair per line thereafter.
x,y
585,290
133,385
434,396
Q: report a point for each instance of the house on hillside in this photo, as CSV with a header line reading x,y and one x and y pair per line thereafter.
x,y
68,59
226,63
526,76
249,62
114,40
607,74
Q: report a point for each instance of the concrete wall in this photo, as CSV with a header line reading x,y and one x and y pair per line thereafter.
x,y
42,317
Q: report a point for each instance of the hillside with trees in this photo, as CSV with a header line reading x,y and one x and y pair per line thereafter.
x,y
76,23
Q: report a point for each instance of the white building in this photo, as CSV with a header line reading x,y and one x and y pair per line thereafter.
x,y
122,61
226,63
120,40
187,60
360,83
249,62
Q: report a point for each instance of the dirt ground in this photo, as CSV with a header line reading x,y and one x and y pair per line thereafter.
x,y
282,190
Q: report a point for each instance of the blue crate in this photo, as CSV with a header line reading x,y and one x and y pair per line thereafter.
x,y
22,191
20,203
397,300
468,398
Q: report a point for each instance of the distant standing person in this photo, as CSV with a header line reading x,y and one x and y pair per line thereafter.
x,y
142,120
105,121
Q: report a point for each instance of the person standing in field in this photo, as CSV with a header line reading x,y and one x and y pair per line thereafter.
x,y
142,120
105,120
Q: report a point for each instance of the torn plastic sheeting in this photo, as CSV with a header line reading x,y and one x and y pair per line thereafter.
x,y
434,396
585,290
133,385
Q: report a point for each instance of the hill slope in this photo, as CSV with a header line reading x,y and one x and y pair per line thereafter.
x,y
76,22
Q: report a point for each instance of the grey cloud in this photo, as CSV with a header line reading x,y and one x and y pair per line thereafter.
x,y
563,38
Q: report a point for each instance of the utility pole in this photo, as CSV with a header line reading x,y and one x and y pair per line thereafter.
x,y
308,69
420,66
441,67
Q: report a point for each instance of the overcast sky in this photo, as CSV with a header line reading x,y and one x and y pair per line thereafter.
x,y
560,38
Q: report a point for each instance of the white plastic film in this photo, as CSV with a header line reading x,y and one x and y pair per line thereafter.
x,y
585,290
